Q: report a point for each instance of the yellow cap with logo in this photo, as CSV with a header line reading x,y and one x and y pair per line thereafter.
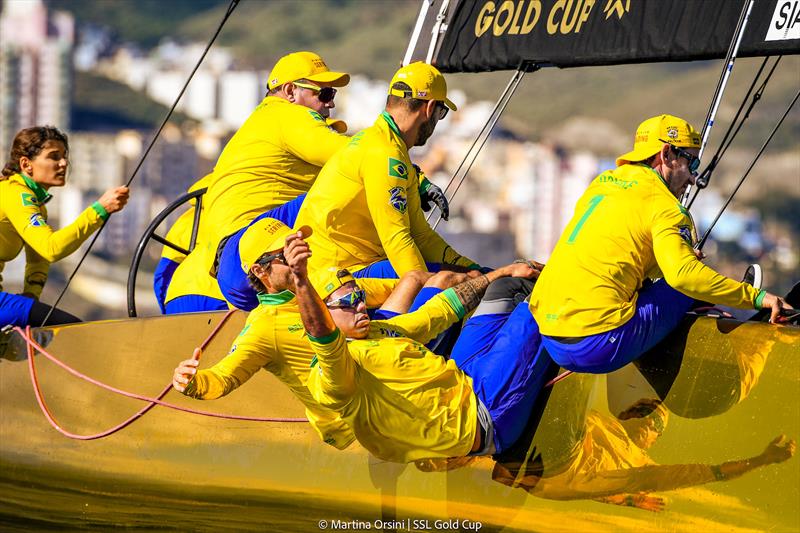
x,y
654,132
265,235
304,65
425,81
327,280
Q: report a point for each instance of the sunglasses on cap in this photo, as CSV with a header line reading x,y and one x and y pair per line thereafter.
x,y
694,161
349,300
325,94
267,259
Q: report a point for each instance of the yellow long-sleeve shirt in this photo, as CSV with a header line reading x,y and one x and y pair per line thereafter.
x,y
23,223
365,207
273,338
402,401
627,227
273,158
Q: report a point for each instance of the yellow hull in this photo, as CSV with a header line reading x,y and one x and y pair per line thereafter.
x,y
736,386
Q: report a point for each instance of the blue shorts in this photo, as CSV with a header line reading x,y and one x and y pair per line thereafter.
x,y
192,303
162,277
15,310
659,309
385,270
425,294
502,354
231,278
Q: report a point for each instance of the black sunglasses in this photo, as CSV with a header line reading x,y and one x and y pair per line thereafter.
x,y
324,94
442,110
267,259
694,161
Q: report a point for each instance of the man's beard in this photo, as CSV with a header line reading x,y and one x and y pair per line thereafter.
x,y
425,131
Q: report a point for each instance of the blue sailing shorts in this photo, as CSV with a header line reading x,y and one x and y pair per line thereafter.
x,y
15,310
162,277
502,354
231,278
194,303
659,309
385,270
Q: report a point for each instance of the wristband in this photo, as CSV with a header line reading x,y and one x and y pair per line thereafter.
x,y
424,185
100,210
760,298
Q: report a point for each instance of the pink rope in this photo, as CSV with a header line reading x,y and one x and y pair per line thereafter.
x,y
152,402
558,378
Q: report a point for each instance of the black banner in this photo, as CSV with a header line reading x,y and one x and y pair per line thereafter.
x,y
501,34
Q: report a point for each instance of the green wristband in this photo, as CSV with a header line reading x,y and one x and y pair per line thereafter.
x,y
759,299
100,210
424,185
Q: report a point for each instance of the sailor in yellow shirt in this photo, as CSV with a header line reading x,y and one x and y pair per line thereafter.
x,y
403,402
37,162
592,303
365,206
271,160
273,337
179,234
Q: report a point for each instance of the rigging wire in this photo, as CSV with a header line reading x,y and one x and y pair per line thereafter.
x,y
225,18
733,49
704,178
752,164
483,134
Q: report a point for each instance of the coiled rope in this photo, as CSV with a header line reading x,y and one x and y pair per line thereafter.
x,y
33,347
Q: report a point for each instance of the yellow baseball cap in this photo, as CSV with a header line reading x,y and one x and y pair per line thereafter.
x,y
304,65
426,83
327,280
266,235
337,125
654,132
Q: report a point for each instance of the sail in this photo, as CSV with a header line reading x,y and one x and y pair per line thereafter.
x,y
482,35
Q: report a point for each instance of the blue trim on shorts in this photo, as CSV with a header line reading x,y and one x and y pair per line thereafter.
x,y
384,270
15,310
503,355
231,278
659,310
192,303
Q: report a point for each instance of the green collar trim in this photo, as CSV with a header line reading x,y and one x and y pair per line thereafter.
x,y
275,299
42,196
392,124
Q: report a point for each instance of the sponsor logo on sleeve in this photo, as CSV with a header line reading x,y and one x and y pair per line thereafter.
x,y
36,220
233,348
398,199
398,169
686,234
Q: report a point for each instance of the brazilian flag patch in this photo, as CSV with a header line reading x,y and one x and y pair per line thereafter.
x,y
29,199
398,169
317,116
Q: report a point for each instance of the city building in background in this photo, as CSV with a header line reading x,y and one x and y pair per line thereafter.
x,y
35,67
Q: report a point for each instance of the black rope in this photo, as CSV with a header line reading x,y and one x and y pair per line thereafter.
x,y
752,164
705,176
228,13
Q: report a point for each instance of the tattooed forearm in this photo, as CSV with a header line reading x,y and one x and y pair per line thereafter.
x,y
471,291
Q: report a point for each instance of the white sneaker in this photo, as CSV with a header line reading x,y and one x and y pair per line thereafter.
x,y
753,276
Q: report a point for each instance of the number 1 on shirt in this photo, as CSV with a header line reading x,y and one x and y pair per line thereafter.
x,y
592,204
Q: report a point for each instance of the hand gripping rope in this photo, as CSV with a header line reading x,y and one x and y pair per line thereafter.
x,y
34,347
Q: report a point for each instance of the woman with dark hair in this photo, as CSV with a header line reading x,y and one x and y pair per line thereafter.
x,y
38,161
